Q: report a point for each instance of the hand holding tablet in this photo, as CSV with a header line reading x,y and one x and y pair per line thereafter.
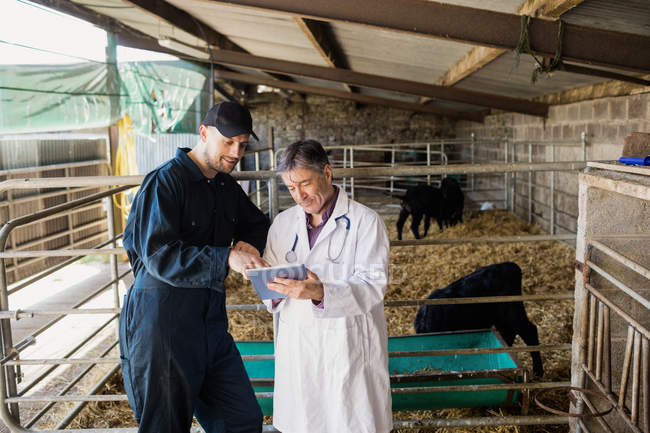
x,y
261,276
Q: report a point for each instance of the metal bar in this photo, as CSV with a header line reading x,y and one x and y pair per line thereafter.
x,y
352,167
72,211
67,387
627,360
588,45
22,314
67,165
552,198
628,291
505,176
64,253
645,368
620,409
619,311
61,361
40,196
472,145
95,389
428,163
600,419
476,116
54,182
399,354
258,196
490,387
479,300
590,335
37,380
636,375
485,239
599,340
345,156
493,421
530,185
19,249
415,390
380,82
621,258
575,69
78,304
607,361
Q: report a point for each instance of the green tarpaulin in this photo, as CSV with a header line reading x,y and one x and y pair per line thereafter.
x,y
160,96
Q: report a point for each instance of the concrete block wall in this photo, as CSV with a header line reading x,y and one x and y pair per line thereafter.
x,y
605,121
605,211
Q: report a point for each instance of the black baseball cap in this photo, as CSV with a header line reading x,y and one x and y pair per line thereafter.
x,y
230,119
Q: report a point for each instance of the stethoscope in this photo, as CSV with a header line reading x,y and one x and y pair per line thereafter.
x,y
291,256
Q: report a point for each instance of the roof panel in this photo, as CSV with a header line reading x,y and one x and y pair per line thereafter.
x,y
141,20
502,77
397,54
261,33
629,16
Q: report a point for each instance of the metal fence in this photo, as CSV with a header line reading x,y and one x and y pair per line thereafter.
x,y
11,361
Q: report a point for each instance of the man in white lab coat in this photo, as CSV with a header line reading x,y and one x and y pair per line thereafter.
x,y
331,359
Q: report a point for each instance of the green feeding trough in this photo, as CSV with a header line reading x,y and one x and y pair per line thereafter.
x,y
422,371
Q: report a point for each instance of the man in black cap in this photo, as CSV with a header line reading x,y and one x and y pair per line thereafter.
x,y
189,224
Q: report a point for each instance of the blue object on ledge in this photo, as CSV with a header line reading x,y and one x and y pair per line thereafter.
x,y
629,160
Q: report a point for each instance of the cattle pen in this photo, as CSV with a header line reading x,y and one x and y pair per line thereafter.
x,y
18,393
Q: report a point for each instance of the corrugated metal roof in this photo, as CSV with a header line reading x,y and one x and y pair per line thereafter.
x,y
629,16
504,78
385,52
142,20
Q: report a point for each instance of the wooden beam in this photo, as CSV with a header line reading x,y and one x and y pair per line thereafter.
x,y
478,57
366,99
320,35
482,27
380,82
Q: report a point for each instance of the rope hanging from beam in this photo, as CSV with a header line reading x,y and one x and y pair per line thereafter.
x,y
523,46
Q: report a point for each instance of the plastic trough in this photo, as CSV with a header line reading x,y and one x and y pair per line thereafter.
x,y
422,371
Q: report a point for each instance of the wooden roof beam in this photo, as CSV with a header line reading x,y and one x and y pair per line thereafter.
x,y
322,38
588,45
478,57
380,82
476,116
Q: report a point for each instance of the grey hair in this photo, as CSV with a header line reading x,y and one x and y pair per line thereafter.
x,y
307,154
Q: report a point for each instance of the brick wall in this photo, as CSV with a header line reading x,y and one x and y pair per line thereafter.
x,y
334,121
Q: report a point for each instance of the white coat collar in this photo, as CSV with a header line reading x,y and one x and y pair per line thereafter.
x,y
340,208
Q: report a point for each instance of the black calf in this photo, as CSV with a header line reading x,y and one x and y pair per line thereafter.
x,y
420,201
509,318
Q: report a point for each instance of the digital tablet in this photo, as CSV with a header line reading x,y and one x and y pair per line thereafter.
x,y
260,276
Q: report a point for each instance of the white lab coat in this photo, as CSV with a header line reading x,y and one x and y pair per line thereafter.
x,y
331,364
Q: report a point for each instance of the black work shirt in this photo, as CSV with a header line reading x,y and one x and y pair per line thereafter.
x,y
182,224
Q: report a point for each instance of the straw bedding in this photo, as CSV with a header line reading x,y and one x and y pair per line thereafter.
x,y
415,271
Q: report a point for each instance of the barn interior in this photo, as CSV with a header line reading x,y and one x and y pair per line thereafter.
x,y
528,105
